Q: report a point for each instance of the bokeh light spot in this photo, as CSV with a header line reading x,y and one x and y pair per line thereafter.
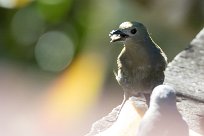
x,y
14,3
26,26
7,3
54,51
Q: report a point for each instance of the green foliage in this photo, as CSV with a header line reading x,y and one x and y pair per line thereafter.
x,y
54,10
87,24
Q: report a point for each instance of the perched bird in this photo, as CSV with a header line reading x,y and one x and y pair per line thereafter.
x,y
141,63
162,118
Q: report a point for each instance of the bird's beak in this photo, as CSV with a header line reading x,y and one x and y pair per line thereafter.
x,y
117,35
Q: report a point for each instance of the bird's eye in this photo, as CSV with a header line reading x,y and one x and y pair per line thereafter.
x,y
133,31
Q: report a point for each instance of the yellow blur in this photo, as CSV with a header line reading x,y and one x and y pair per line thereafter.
x,y
21,3
77,89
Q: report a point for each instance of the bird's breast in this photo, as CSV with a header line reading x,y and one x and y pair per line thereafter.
x,y
139,70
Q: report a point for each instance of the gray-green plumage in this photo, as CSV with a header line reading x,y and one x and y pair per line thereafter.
x,y
141,63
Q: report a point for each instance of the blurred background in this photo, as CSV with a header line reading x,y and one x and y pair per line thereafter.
x,y
56,62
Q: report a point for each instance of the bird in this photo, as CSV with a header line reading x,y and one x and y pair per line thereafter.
x,y
162,117
141,63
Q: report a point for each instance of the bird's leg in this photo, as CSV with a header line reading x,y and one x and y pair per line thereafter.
x,y
147,97
139,97
122,104
120,108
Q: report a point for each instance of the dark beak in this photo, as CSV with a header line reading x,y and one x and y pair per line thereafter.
x,y
117,35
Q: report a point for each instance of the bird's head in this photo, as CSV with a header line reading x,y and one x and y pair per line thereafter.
x,y
129,31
